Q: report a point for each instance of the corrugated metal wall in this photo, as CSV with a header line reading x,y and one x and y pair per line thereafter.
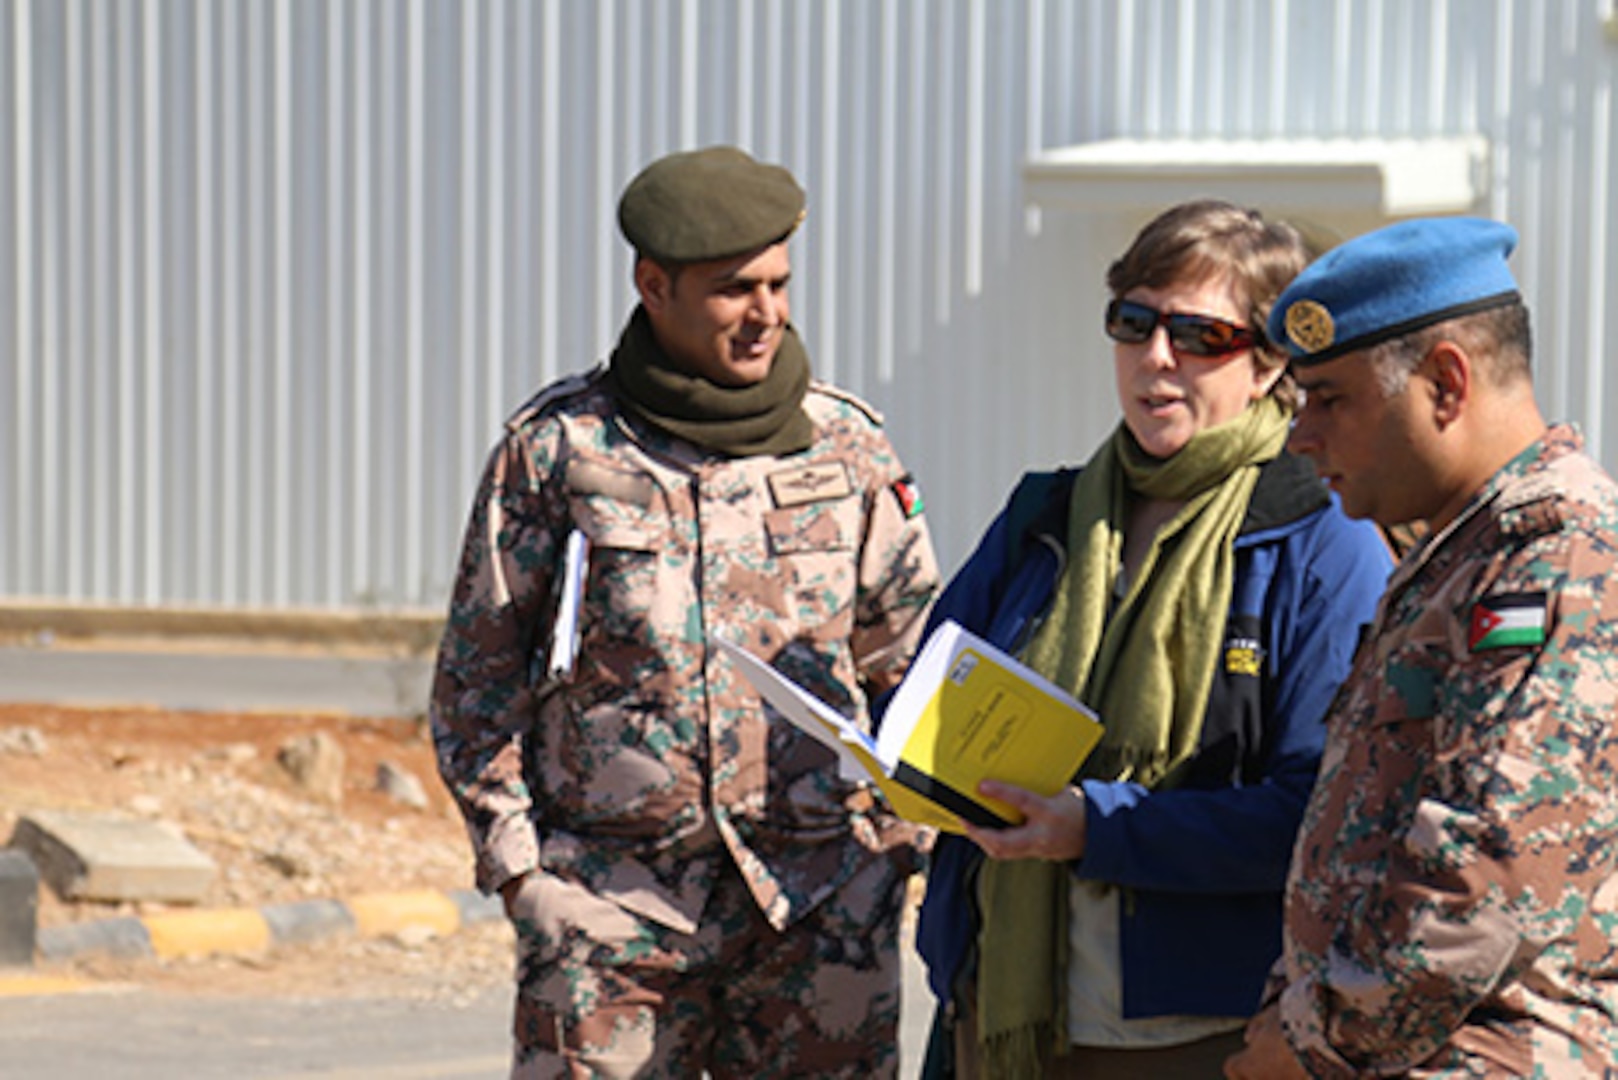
x,y
271,273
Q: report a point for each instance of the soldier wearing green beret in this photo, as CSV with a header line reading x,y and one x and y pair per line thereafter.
x,y
694,886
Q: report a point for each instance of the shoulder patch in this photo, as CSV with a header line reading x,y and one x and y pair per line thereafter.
x,y
908,493
1501,621
554,393
833,391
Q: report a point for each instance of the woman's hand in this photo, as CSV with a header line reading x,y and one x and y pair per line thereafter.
x,y
1052,828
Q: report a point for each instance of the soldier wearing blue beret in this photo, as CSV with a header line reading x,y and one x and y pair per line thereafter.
x,y
1450,907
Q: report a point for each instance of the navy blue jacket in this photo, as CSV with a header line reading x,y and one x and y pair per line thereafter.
x,y
1203,865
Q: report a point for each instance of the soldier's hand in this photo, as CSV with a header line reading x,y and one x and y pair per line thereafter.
x,y
1052,828
1268,1056
509,891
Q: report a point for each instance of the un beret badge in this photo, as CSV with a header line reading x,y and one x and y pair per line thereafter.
x,y
1310,326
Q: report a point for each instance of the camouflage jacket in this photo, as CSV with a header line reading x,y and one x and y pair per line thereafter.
x,y
1452,908
654,760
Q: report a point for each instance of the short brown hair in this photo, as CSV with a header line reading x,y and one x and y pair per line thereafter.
x,y
1206,238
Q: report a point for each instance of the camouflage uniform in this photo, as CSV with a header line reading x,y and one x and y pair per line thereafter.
x,y
1452,908
677,832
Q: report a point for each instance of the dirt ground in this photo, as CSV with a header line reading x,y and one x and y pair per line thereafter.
x,y
217,777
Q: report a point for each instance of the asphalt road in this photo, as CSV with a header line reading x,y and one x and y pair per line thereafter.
x,y
135,1034
128,1033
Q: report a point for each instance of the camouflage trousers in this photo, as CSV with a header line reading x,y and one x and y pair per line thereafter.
x,y
602,992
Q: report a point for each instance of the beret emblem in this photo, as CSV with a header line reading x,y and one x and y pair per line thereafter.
x,y
1310,326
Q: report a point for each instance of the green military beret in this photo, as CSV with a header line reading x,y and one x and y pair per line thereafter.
x,y
707,204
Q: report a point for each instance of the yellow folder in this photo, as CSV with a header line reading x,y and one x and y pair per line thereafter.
x,y
965,712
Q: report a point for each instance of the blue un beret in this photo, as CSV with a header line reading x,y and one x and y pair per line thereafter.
x,y
1392,282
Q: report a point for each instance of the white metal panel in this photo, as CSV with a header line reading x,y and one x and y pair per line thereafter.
x,y
273,271
1380,178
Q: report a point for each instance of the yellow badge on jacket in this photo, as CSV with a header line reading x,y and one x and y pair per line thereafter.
x,y
1242,657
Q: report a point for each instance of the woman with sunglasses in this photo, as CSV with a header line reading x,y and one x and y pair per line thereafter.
x,y
1200,588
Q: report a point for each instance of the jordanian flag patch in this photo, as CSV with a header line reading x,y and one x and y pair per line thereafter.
x,y
1499,621
908,493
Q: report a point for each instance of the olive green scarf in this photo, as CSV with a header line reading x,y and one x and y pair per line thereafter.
x,y
1146,667
765,418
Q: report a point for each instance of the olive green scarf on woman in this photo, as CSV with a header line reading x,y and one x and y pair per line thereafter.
x,y
764,418
1146,668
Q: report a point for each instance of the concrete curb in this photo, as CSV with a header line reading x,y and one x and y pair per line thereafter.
x,y
408,631
255,931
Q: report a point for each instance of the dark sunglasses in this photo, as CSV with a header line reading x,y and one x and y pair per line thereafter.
x,y
1198,335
